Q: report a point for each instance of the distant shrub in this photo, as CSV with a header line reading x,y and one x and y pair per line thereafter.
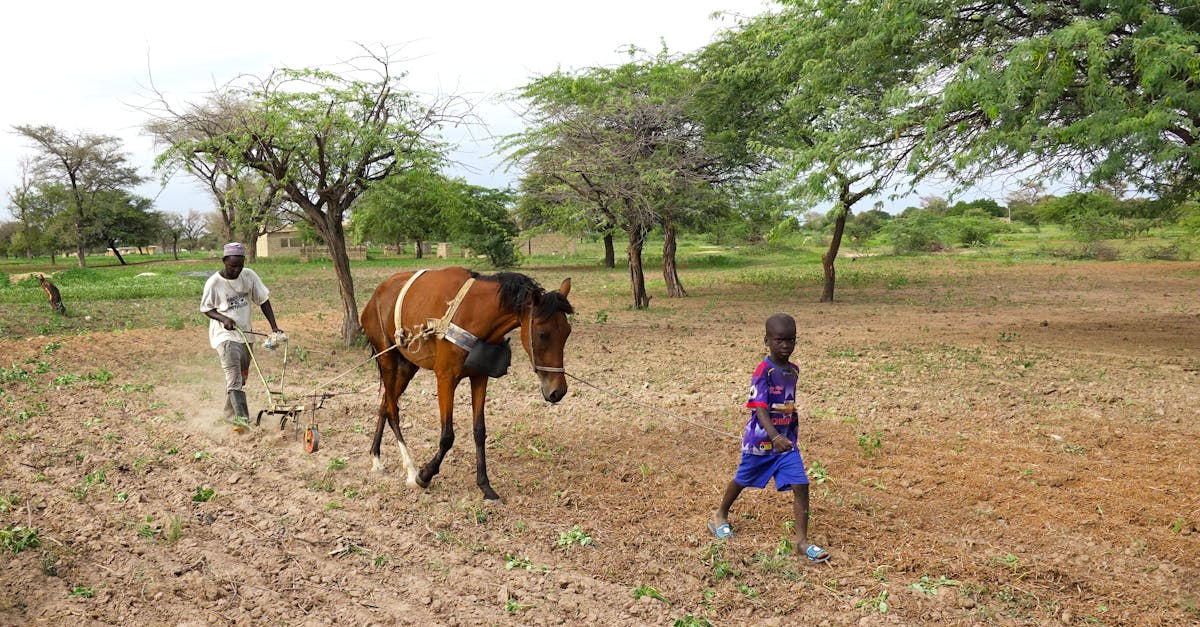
x,y
918,231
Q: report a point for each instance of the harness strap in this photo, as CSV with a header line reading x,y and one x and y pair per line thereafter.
x,y
432,327
400,331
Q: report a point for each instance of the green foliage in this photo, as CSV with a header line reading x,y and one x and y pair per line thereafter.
x,y
646,590
203,495
915,232
575,536
974,228
478,219
861,227
16,538
870,443
878,603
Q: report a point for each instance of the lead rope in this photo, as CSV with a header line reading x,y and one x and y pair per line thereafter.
x,y
655,409
536,367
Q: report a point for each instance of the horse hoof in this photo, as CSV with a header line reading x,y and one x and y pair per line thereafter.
x,y
421,483
376,465
490,495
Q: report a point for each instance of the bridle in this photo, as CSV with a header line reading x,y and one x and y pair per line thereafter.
x,y
532,357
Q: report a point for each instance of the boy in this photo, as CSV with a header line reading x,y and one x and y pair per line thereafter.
x,y
226,301
769,445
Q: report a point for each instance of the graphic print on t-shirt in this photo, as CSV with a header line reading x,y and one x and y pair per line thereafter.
x,y
772,387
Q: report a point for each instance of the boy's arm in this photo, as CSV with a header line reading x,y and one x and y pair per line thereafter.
x,y
778,440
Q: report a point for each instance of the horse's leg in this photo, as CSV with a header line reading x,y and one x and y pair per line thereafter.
x,y
446,386
388,365
404,375
478,395
396,372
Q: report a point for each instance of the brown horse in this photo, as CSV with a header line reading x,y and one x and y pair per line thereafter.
x,y
487,307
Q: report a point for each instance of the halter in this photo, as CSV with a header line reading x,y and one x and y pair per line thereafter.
x,y
532,359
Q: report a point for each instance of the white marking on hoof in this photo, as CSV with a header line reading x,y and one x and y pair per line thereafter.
x,y
410,468
376,465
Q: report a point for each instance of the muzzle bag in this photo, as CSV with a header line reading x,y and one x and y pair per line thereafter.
x,y
490,359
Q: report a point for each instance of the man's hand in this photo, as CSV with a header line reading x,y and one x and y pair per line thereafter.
x,y
780,442
229,324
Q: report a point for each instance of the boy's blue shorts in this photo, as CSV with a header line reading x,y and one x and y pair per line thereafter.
x,y
787,469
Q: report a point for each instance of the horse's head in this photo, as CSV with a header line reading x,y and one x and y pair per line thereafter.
x,y
544,332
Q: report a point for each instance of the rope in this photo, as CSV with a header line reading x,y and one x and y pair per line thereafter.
x,y
368,360
655,408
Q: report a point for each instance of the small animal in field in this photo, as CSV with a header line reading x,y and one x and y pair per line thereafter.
x,y
454,321
52,294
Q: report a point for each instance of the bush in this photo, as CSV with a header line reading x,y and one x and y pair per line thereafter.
x,y
917,231
975,229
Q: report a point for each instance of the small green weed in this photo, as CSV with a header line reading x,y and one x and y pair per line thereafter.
x,y
646,590
9,502
148,529
337,463
930,586
870,443
877,603
17,538
692,621
713,555
818,473
601,317
573,536
49,563
512,606
82,592
203,495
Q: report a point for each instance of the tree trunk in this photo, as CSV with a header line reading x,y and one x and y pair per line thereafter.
x,y
112,243
420,250
637,278
80,253
335,238
610,255
827,259
670,274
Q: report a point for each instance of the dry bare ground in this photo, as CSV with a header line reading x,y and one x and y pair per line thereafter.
x,y
1010,444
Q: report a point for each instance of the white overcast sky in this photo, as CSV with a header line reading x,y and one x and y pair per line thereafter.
x,y
84,66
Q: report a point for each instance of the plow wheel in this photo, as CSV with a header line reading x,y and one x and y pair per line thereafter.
x,y
312,439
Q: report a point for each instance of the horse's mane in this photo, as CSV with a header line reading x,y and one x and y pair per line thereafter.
x,y
518,291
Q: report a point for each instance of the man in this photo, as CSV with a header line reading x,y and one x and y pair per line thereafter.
x,y
226,300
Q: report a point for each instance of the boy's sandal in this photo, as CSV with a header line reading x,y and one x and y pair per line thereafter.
x,y
816,554
722,531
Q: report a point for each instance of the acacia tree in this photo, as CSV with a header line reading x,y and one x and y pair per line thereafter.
x,y
541,206
37,208
620,142
405,206
87,166
1103,91
249,204
798,96
324,138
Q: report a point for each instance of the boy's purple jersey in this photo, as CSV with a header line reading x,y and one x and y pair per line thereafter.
x,y
773,387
